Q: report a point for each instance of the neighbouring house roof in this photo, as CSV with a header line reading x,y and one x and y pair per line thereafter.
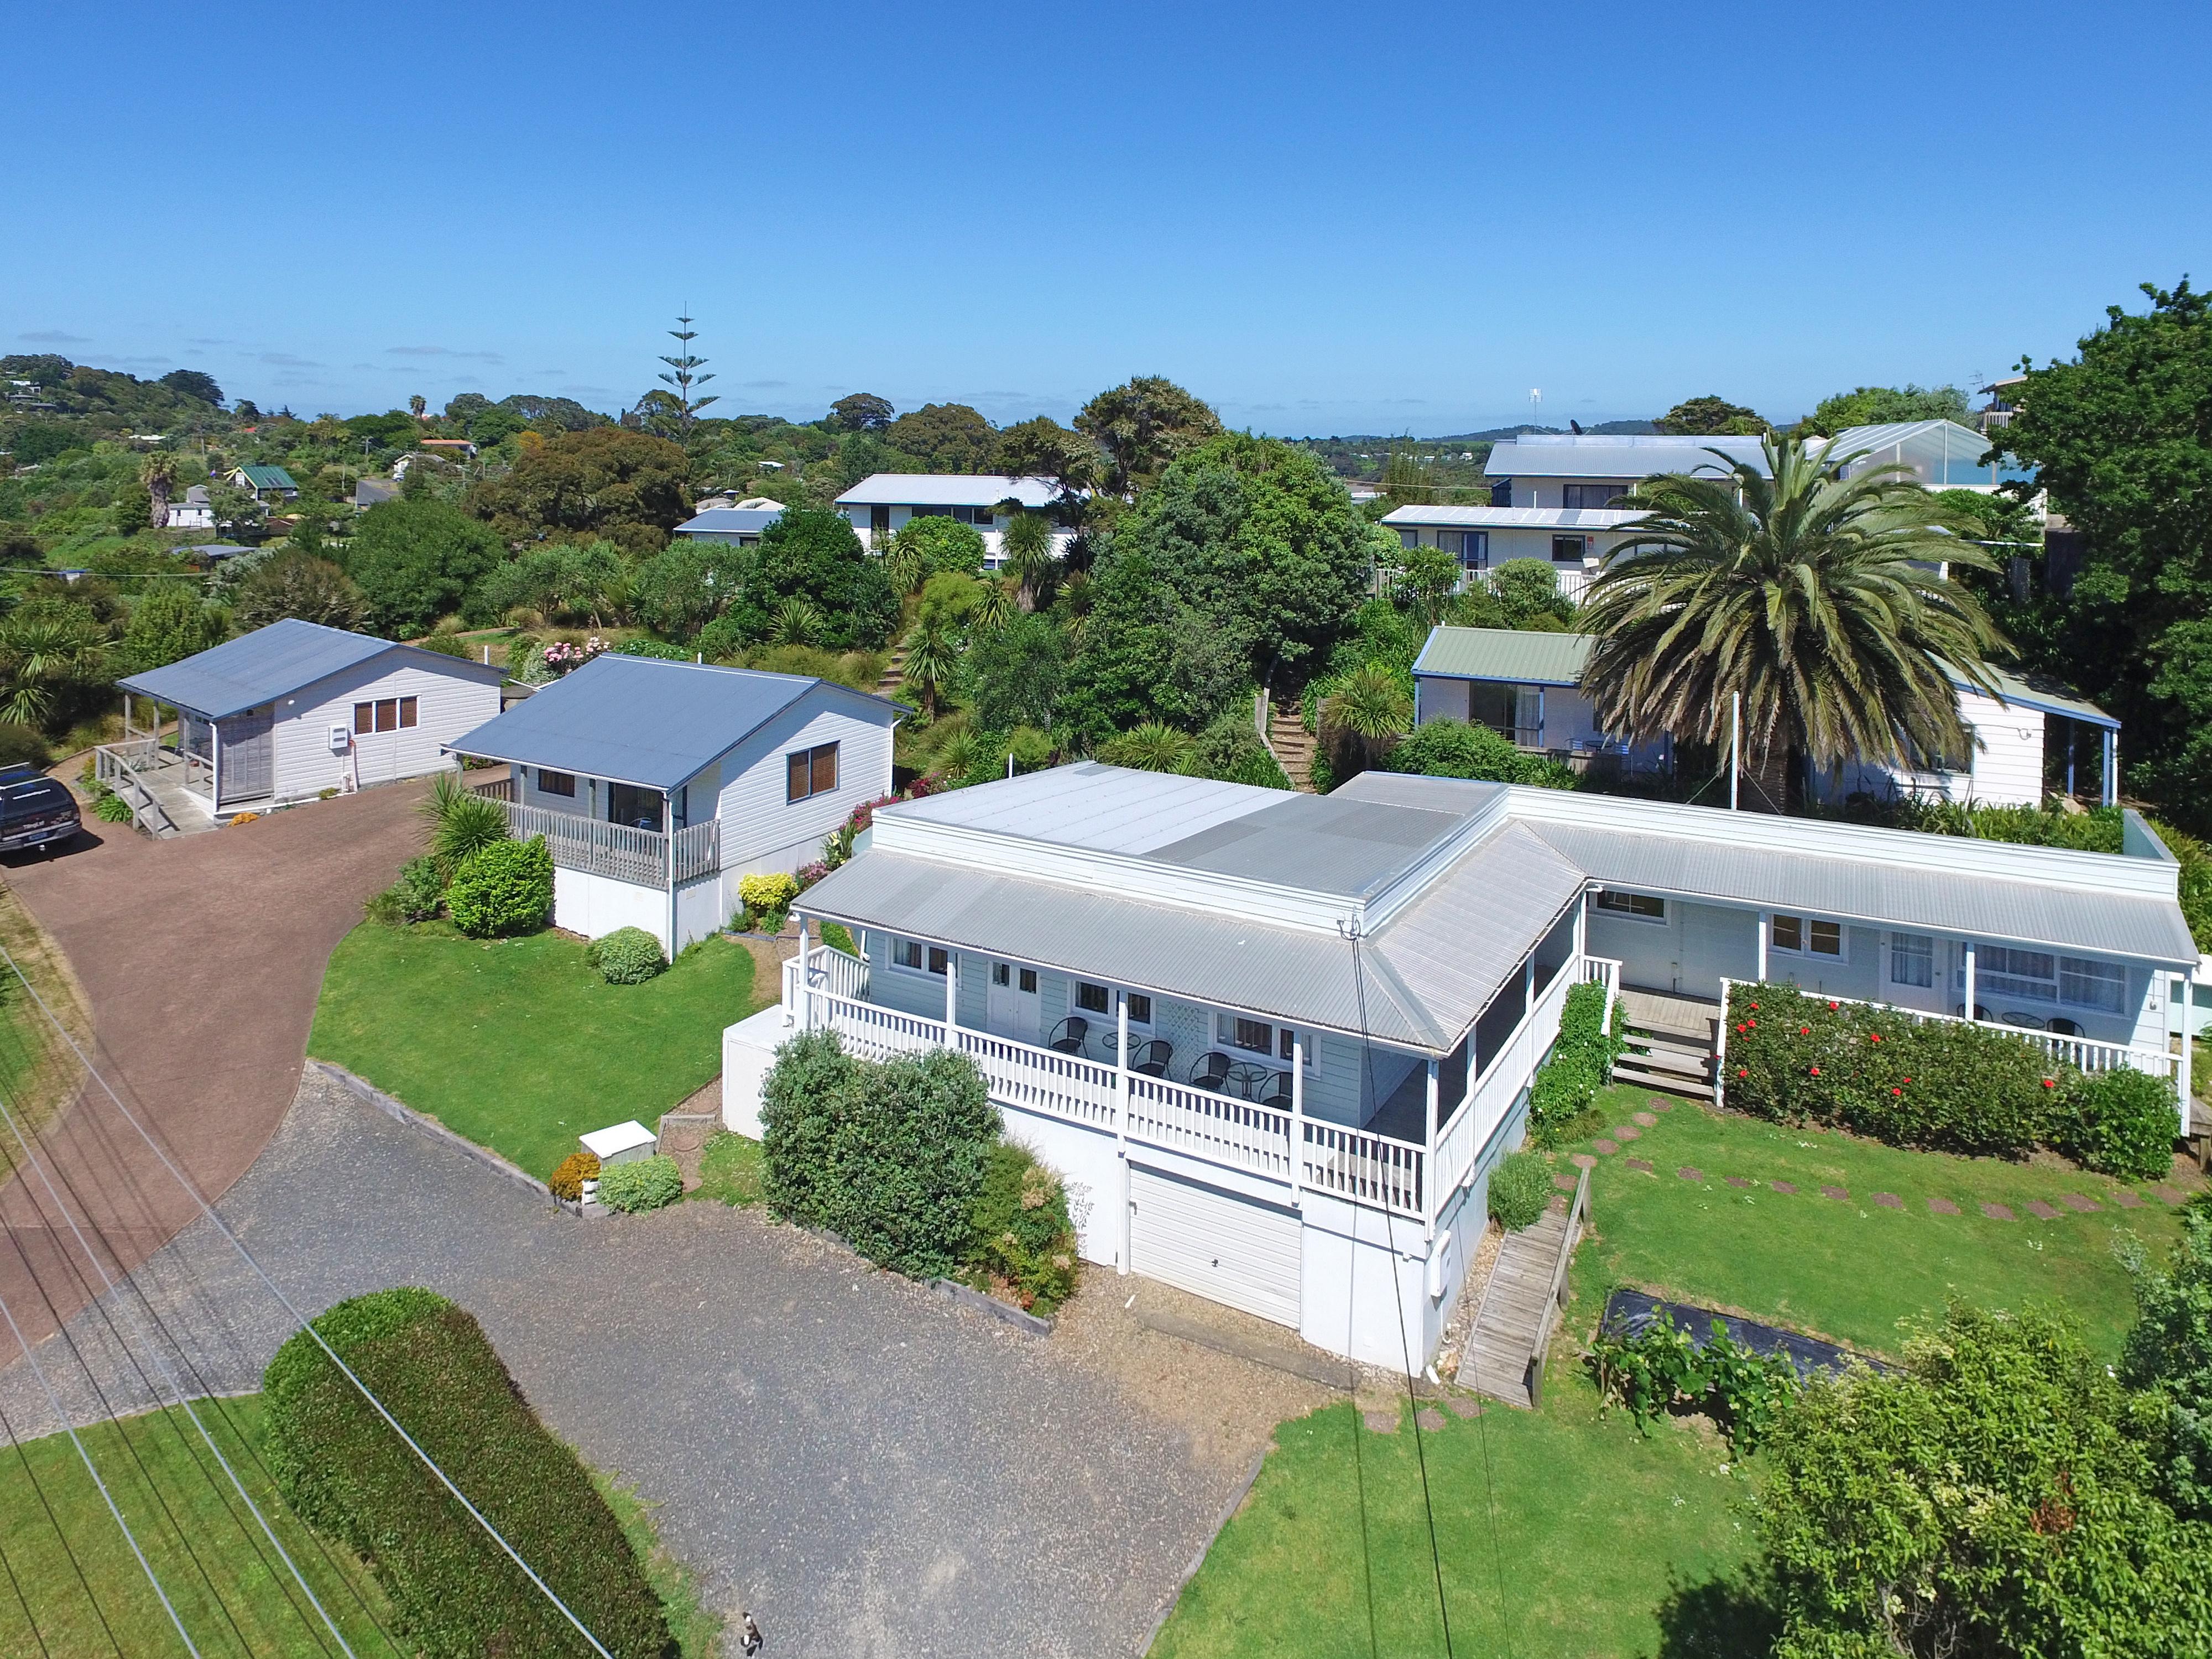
x,y
269,663
1504,653
217,551
729,521
947,489
1515,517
1544,455
2051,697
643,720
196,495
267,477
372,492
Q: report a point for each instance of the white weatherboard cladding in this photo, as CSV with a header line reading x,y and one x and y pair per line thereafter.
x,y
2008,750
757,819
1717,944
1229,1249
447,704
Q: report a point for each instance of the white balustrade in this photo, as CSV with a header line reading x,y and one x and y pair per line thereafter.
x,y
616,850
1502,1077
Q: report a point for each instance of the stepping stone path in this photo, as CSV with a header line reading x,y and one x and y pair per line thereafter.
x,y
1648,1120
1381,1422
1844,1193
2076,1201
1996,1212
1565,1183
1782,1186
1641,1166
1583,1161
1660,1103
1889,1201
2127,1200
2041,1211
2165,1194
1628,1132
1943,1206
1430,1419
1738,1181
1689,1174
1604,1148
1462,1406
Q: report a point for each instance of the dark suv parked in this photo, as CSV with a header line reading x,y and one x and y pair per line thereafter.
x,y
34,810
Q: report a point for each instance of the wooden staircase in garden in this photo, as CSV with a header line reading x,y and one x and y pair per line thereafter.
x,y
894,674
1670,1043
1292,743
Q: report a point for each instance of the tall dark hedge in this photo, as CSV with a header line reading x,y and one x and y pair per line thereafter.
x,y
454,1591
889,1155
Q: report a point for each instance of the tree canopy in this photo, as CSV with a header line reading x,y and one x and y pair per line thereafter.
x,y
1143,425
1711,417
414,560
946,438
863,411
812,554
1873,405
602,484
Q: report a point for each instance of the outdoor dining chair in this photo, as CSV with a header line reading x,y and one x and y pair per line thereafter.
x,y
1151,1058
1067,1037
1211,1070
1277,1094
2060,1027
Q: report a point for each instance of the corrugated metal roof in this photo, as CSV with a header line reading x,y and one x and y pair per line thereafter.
x,y
1496,902
1516,518
1103,809
1634,457
947,489
1322,844
2048,695
730,521
269,663
641,719
1504,653
1899,894
268,477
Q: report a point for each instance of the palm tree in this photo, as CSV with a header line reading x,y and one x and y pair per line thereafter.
x,y
992,606
1372,702
1028,555
1150,747
462,822
906,567
159,475
798,621
1076,599
41,651
932,656
1820,600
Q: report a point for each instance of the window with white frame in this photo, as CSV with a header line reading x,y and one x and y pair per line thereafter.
x,y
1805,936
1641,906
1242,1034
913,955
1094,999
1913,960
2045,976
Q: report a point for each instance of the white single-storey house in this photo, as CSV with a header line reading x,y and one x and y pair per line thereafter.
x,y
739,525
657,784
1276,1042
195,512
881,505
2034,738
294,708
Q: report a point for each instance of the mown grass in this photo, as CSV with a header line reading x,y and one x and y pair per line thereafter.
x,y
729,1170
517,1043
1853,1271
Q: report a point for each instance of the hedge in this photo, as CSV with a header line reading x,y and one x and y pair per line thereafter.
x,y
1580,1064
504,888
640,1184
1022,1238
628,956
454,1591
1941,1085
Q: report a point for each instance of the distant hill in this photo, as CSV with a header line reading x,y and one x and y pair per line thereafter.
x,y
1452,462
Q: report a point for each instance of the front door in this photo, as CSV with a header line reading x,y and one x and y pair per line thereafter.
x,y
1011,1008
248,755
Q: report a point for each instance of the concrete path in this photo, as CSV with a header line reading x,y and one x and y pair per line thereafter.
x,y
200,959
872,1469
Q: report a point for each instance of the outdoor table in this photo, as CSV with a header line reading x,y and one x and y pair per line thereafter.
x,y
1244,1076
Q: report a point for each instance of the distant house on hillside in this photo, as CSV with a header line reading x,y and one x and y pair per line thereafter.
x,y
460,447
882,505
739,525
1574,540
195,512
267,484
374,492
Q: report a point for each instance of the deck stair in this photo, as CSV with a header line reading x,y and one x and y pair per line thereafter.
x,y
1670,1044
1292,743
1503,1356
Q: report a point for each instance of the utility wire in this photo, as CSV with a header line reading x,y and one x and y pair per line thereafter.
x,y
106,1497
298,1319
75,1566
175,1387
29,1618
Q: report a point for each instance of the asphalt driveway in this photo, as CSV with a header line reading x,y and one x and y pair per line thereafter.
x,y
871,1468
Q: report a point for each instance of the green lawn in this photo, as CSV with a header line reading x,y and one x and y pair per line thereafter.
x,y
1852,1271
516,1043
270,1613
1595,1526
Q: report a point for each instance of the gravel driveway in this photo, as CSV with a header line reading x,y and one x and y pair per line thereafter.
x,y
872,1469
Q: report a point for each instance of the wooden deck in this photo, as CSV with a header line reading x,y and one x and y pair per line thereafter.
x,y
1512,1326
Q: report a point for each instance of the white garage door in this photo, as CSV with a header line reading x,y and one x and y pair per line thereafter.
x,y
1228,1249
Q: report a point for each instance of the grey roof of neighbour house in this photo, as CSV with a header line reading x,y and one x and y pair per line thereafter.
x,y
372,492
1063,805
643,721
1504,653
273,662
947,489
1600,518
1423,977
729,521
2035,691
1542,456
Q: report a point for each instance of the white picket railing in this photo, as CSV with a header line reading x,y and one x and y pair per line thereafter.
x,y
616,850
120,766
1493,1090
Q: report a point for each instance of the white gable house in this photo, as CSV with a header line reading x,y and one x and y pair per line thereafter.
x,y
883,504
657,785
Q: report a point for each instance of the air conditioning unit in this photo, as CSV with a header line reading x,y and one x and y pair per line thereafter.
x,y
341,737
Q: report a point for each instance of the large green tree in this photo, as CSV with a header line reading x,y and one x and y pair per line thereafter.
x,y
1711,417
2122,437
1815,597
605,482
1147,656
289,583
946,438
1872,405
1142,426
415,561
812,554
167,624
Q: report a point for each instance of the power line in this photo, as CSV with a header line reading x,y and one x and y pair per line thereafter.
x,y
297,1318
75,1566
177,1387
29,1618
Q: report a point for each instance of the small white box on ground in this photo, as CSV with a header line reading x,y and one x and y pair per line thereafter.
x,y
619,1143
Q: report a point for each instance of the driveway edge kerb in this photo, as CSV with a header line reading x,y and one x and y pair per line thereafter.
x,y
399,1112
1236,1502
969,1297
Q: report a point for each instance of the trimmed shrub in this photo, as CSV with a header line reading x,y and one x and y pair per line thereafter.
x,y
768,896
2121,1123
629,955
24,746
889,1155
1519,1190
573,1171
1580,1064
641,1184
505,888
1878,1071
454,1591
1023,1239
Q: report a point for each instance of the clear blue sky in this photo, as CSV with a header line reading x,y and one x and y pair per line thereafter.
x,y
1321,219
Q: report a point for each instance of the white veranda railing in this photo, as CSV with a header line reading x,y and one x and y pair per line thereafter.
x,y
616,850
